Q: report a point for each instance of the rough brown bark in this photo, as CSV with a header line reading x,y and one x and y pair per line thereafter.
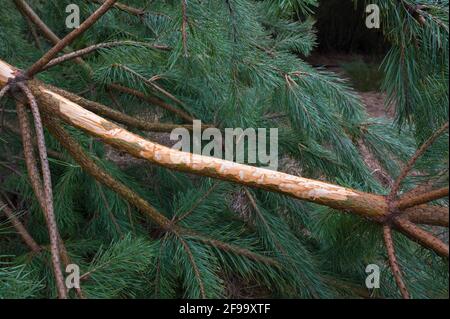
x,y
418,199
428,215
410,164
422,237
389,242
117,116
36,184
153,100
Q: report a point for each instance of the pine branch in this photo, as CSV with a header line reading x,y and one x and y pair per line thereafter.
x,y
88,165
422,237
29,13
407,202
428,215
20,228
149,83
153,100
232,249
261,217
388,241
184,26
36,184
123,7
195,205
95,47
118,116
68,39
408,167
193,263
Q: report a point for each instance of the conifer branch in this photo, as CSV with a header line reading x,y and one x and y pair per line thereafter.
x,y
410,164
124,7
422,237
29,13
184,26
428,215
232,249
153,100
118,116
20,228
149,83
82,52
68,39
266,225
36,184
374,207
388,241
98,173
193,263
197,202
407,202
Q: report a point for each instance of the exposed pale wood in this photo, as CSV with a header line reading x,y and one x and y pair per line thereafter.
x,y
367,205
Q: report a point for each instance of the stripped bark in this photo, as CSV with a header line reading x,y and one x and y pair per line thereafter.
x,y
374,207
365,204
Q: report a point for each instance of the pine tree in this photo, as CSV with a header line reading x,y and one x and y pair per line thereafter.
x,y
152,228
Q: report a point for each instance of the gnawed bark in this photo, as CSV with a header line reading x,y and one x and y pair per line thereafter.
x,y
371,206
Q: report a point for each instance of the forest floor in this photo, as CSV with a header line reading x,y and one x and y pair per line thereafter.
x,y
363,73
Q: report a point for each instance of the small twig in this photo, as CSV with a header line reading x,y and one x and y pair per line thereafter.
x,y
197,203
184,26
150,83
68,39
33,33
3,91
20,228
408,167
118,116
422,237
125,8
193,263
95,47
388,241
406,202
153,100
